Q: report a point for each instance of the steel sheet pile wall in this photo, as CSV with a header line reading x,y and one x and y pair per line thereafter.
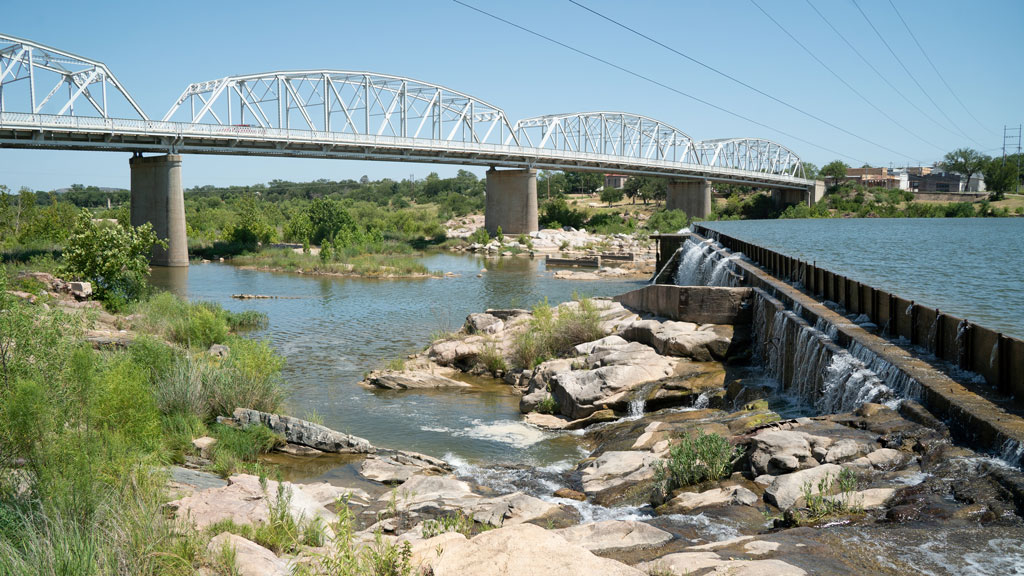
x,y
997,357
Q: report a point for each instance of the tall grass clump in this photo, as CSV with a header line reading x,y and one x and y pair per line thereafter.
x,y
550,335
694,459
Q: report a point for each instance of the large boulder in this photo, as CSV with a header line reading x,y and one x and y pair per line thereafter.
x,y
608,375
456,352
522,549
782,451
484,323
296,431
787,489
685,339
613,535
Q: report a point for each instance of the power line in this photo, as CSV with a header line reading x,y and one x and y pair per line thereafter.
x,y
878,73
937,73
834,73
742,83
911,75
653,81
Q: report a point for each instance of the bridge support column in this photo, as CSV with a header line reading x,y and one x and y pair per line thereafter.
x,y
157,198
511,201
816,192
690,196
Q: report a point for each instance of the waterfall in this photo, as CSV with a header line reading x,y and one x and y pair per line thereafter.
x,y
831,378
849,384
1012,452
638,403
722,274
705,263
898,381
702,401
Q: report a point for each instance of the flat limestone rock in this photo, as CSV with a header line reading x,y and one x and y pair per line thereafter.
x,y
251,559
729,496
298,431
392,380
244,501
611,535
691,562
422,488
613,469
523,549
399,466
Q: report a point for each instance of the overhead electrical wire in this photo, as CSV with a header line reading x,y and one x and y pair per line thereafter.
x,y
658,83
830,70
755,89
937,73
911,74
877,72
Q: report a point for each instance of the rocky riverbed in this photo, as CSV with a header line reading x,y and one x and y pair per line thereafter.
x,y
880,490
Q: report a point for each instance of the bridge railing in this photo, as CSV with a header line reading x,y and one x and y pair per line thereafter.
x,y
183,136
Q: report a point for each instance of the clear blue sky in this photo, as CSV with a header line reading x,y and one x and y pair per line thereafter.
x,y
157,48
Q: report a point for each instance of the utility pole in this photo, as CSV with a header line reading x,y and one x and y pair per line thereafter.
x,y
1011,136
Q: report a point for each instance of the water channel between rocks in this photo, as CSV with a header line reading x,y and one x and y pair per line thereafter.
x,y
333,330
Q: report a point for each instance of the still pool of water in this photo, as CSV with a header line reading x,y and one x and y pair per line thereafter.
x,y
969,267
333,330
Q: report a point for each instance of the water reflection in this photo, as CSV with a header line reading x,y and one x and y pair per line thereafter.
x,y
332,330
174,279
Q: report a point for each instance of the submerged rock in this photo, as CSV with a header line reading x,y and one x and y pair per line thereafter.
x,y
410,380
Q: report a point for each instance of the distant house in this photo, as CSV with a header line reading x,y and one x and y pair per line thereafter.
x,y
876,177
936,182
615,180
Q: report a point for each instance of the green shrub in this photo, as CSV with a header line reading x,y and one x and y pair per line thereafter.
x,y
492,359
125,405
247,320
667,221
820,505
479,236
457,522
113,257
549,405
694,459
203,326
549,336
186,388
159,358
250,378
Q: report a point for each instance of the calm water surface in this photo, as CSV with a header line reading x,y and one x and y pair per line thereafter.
x,y
333,330
968,267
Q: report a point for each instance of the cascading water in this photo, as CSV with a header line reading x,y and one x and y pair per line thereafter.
x,y
849,384
705,263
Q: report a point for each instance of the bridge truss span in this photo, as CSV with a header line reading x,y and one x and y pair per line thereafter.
x,y
611,133
750,154
343,102
43,80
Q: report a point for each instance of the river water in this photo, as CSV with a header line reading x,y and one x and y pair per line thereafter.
x,y
968,267
332,330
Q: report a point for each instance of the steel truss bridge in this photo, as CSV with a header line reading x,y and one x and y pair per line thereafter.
x,y
52,99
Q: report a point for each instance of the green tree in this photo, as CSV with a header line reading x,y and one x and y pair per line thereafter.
x,y
810,171
834,170
327,218
964,161
647,188
252,226
583,182
1000,177
114,258
611,195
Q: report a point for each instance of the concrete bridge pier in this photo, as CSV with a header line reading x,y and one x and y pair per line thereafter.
x,y
810,196
511,201
157,198
690,196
